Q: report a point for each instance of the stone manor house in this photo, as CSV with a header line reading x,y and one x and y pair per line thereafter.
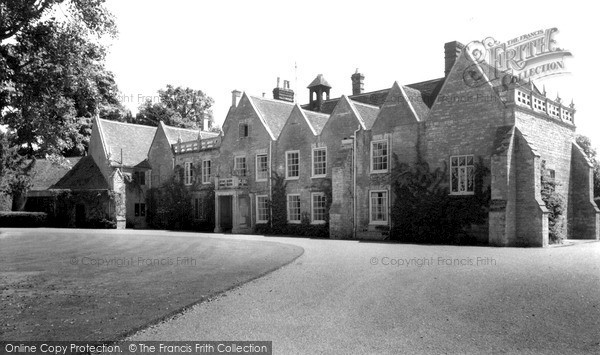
x,y
346,148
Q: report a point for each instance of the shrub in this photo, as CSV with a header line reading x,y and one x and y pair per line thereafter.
x,y
169,206
424,211
23,219
555,203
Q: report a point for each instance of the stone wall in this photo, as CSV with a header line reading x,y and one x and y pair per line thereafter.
x,y
160,157
584,219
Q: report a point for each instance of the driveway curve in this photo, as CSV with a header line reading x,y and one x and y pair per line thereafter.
x,y
360,297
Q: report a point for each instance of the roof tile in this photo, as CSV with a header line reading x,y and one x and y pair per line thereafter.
x,y
47,173
131,140
274,112
368,113
316,119
85,175
319,80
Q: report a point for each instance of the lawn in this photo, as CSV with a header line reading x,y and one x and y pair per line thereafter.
x,y
103,285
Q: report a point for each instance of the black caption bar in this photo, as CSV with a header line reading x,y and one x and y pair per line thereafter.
x,y
137,347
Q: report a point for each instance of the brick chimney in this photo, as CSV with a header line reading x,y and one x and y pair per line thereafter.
x,y
451,52
235,98
358,83
283,93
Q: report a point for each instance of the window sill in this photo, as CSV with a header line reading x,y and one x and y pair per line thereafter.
x,y
379,171
262,222
471,193
318,176
317,223
378,223
293,178
293,222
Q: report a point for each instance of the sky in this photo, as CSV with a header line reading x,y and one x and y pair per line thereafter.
x,y
219,46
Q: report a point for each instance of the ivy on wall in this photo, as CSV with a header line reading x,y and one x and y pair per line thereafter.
x,y
555,203
169,206
424,211
96,209
277,223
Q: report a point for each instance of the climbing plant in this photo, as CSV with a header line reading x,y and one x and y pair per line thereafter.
x,y
278,224
423,210
278,204
169,206
555,203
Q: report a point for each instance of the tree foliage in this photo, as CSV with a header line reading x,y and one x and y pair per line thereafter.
x,y
53,76
15,172
179,107
169,206
586,144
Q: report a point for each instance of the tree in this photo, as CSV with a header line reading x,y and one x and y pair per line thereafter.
x,y
586,144
178,106
53,78
15,172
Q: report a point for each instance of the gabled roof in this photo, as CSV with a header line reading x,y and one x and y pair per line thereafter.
x,y
429,89
186,134
85,175
47,173
273,113
375,98
421,95
174,133
319,81
131,140
368,113
343,105
399,108
316,119
415,97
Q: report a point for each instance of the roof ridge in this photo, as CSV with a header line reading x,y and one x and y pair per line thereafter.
x,y
370,92
315,112
260,115
364,104
272,100
304,116
409,87
424,81
355,112
128,123
183,129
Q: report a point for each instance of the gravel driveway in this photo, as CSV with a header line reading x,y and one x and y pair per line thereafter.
x,y
361,297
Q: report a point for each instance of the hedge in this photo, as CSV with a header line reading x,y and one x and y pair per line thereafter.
x,y
23,219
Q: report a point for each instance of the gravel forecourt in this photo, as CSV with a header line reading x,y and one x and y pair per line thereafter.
x,y
361,297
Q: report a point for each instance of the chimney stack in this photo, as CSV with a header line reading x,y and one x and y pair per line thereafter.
x,y
283,93
451,52
358,84
235,98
